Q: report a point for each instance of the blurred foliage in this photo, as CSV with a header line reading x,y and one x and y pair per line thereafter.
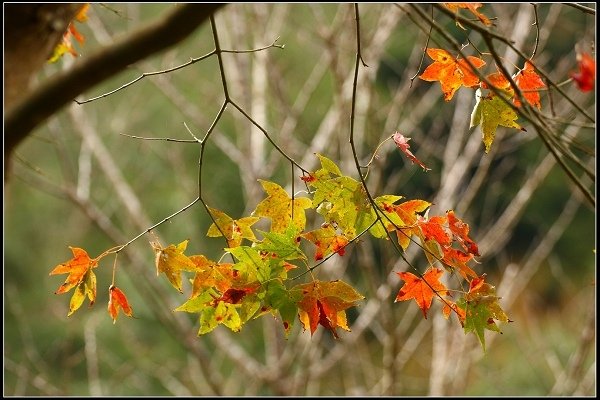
x,y
47,354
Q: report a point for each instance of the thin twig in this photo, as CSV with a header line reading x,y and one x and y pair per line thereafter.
x,y
424,51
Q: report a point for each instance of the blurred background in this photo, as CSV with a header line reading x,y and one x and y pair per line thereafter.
x,y
78,182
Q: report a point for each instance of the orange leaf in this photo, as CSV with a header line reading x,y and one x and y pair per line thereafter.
x,y
529,81
471,7
117,300
497,80
461,232
586,76
77,267
422,289
435,229
452,73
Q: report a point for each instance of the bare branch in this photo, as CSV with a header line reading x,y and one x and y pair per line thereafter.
x,y
55,93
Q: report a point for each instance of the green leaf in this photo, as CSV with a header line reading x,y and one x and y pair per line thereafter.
x,y
491,111
283,246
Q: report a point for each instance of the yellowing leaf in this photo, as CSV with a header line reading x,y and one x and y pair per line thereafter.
x,y
471,7
490,112
325,303
327,241
77,268
280,208
422,289
117,301
481,308
452,73
171,261
234,230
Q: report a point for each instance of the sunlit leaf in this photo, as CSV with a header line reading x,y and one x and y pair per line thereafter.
x,y
452,73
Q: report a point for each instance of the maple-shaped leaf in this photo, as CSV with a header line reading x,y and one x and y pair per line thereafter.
x,y
171,261
281,209
325,303
77,268
585,78
481,309
117,301
283,246
327,241
490,112
452,73
408,212
471,7
435,228
402,143
234,230
422,289
211,275
529,82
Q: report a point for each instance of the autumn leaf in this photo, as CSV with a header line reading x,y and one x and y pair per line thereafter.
x,y
422,289
471,7
481,309
490,112
86,288
66,44
327,241
324,303
77,268
234,230
408,213
529,81
461,233
585,78
117,301
283,246
171,261
281,209
402,143
450,72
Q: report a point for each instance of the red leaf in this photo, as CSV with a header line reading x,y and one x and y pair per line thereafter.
x,y
529,81
461,231
402,143
117,300
586,77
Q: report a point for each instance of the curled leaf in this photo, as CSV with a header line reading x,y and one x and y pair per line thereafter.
x,y
402,143
116,301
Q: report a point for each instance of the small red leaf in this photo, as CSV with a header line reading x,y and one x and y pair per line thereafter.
x,y
117,300
586,77
402,143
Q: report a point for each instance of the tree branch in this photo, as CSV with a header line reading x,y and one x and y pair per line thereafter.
x,y
56,92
